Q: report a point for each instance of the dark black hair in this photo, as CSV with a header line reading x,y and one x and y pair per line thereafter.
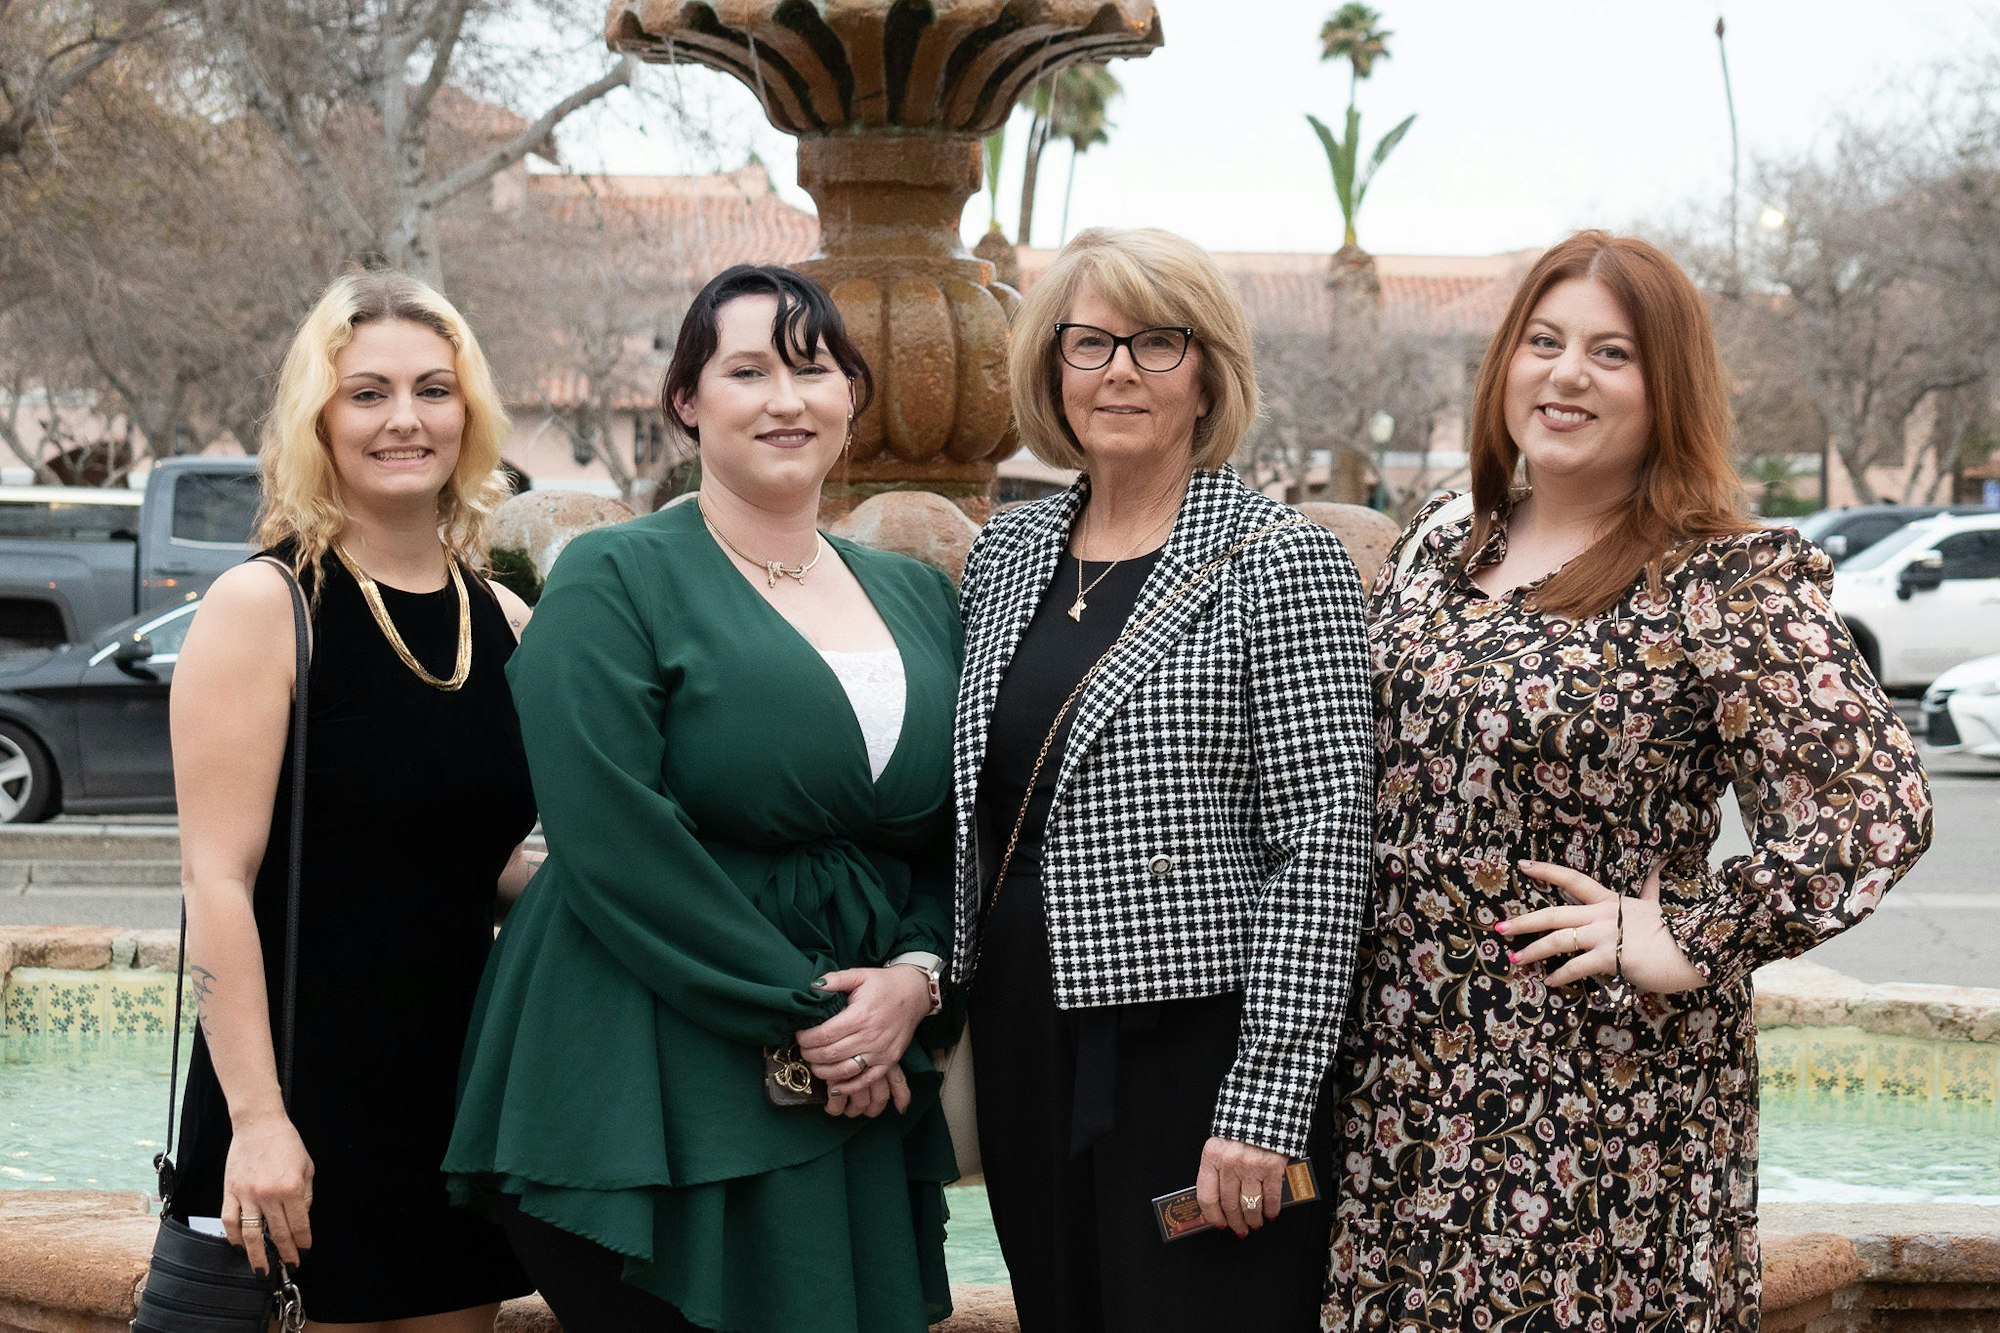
x,y
806,318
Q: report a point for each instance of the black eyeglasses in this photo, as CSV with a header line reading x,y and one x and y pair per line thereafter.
x,y
1087,347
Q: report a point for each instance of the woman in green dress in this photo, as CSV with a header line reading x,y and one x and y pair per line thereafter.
x,y
739,732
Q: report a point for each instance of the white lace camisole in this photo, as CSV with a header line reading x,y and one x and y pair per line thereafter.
x,y
875,690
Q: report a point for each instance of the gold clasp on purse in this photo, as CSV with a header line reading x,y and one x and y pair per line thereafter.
x,y
788,1079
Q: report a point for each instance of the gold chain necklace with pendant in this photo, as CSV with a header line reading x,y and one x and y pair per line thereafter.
x,y
773,569
1079,606
373,596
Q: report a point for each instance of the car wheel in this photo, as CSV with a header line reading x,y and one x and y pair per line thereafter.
x,y
27,778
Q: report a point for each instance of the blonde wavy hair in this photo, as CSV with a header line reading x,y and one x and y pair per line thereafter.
x,y
302,491
1152,277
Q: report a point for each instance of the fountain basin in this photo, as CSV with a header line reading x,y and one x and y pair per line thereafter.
x,y
94,1005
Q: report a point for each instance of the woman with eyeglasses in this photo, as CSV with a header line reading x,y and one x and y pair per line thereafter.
x,y
1164,780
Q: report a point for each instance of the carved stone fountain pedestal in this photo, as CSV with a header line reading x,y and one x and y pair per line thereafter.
x,y
889,100
930,318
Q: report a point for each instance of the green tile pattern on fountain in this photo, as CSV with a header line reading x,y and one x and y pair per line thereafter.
x,y
1821,1064
39,1001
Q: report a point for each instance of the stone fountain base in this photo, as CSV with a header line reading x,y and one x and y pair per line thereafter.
x,y
72,1262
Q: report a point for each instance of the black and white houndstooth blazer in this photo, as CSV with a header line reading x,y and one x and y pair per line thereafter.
x,y
1212,829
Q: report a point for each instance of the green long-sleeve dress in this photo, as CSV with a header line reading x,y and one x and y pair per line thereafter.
x,y
716,844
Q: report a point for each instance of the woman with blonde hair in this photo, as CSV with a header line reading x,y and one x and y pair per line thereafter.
x,y
1551,1087
1163,785
379,465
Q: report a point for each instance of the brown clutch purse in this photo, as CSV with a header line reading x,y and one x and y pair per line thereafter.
x,y
789,1080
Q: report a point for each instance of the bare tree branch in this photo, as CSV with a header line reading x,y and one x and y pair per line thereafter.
x,y
528,140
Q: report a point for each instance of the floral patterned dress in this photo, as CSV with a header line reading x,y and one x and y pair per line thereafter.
x,y
1521,1157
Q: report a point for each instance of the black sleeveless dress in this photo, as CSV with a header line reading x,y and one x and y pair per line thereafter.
x,y
415,798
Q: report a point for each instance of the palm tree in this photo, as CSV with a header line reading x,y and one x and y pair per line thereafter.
x,y
1354,33
994,144
1054,112
1086,122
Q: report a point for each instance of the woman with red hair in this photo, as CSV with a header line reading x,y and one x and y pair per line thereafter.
x,y
1551,1091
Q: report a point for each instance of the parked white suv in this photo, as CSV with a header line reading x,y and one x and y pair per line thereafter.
x,y
1924,599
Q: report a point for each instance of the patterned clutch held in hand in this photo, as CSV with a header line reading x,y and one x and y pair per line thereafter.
x,y
1179,1214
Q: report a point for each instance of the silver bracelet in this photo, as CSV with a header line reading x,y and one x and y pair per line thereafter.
x,y
931,966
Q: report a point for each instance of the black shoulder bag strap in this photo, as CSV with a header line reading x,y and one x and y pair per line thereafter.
x,y
301,665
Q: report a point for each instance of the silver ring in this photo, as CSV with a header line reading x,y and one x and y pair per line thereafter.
x,y
860,1060
1251,1202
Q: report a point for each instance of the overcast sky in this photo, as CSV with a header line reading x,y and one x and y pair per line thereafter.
x,y
1534,117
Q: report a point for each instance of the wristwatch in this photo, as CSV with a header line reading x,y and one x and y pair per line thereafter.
x,y
931,966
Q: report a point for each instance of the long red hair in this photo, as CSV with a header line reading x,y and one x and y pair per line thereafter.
x,y
1687,488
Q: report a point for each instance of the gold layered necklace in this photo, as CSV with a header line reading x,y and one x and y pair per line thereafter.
x,y
773,569
372,595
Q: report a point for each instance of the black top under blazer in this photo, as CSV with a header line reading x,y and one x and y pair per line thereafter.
x,y
1212,829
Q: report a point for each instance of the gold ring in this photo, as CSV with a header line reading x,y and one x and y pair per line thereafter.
x,y
1251,1202
250,1220
1575,943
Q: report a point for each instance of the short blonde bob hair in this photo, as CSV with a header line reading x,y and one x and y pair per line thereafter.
x,y
301,489
1153,278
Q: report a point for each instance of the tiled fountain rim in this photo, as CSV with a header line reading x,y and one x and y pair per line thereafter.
x,y
1796,994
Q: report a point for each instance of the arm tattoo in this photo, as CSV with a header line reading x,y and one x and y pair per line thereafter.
x,y
203,982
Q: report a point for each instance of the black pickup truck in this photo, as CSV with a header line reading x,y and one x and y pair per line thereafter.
x,y
75,559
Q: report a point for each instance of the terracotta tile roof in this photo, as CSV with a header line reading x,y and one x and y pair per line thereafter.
x,y
690,228
1284,292
486,122
697,226
561,392
697,231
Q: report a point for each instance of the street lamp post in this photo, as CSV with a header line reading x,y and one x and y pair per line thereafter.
x,y
1381,429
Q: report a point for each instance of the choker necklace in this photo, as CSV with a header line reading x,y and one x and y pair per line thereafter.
x,y
772,568
373,596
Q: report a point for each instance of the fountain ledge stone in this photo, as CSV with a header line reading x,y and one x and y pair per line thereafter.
x,y
1798,994
72,1262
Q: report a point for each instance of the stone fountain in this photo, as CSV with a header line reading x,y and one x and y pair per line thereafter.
x,y
889,100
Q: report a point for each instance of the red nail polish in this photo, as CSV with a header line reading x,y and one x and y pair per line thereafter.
x,y
1499,927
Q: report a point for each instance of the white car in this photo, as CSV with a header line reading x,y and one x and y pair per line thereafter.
x,y
1924,599
1962,709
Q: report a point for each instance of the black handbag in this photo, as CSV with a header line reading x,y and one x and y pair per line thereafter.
x,y
197,1283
